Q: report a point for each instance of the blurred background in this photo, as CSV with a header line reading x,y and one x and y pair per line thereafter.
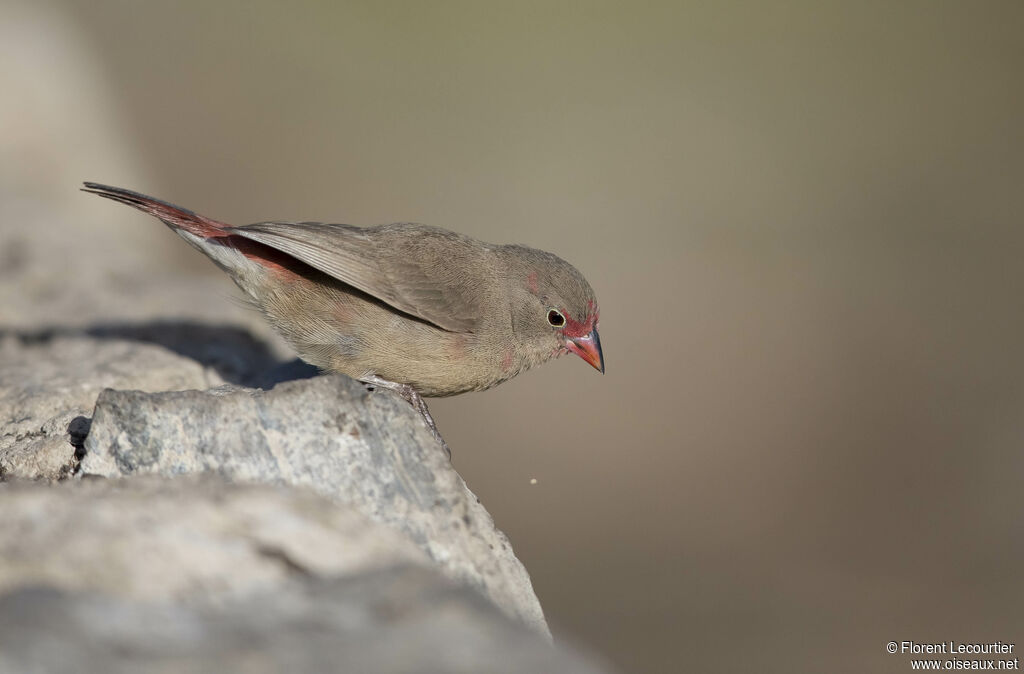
x,y
803,221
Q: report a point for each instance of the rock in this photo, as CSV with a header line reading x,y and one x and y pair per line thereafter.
x,y
50,378
49,383
153,575
369,450
185,540
328,433
404,620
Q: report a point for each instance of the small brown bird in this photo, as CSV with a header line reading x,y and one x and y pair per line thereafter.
x,y
415,309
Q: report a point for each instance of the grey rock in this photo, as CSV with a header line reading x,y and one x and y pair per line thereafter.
x,y
49,383
186,540
153,575
328,433
400,620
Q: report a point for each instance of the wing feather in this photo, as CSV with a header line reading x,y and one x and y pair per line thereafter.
x,y
420,270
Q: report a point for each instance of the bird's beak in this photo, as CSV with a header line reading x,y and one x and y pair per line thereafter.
x,y
588,348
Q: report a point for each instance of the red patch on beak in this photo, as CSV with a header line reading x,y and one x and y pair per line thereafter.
x,y
574,329
588,347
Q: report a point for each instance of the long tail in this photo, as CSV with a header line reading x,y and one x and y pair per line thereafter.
x,y
235,254
173,216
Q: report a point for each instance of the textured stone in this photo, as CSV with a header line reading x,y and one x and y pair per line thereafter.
x,y
400,620
49,383
369,450
185,540
157,576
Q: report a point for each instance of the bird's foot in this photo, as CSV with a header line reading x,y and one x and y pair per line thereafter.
x,y
411,396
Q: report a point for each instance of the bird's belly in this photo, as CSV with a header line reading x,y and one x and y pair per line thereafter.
x,y
339,329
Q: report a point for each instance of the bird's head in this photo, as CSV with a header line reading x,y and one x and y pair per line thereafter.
x,y
555,310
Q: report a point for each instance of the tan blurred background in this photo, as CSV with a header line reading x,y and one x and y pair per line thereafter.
x,y
804,223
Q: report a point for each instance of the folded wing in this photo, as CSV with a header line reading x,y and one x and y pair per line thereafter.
x,y
423,271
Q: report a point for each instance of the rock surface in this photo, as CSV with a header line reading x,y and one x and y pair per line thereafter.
x,y
50,378
327,433
404,620
47,382
188,540
63,416
155,575
369,450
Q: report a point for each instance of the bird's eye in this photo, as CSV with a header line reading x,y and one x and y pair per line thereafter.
x,y
556,318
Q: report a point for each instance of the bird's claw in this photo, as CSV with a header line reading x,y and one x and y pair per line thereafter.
x,y
411,396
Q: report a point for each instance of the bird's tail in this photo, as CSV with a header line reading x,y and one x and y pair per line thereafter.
x,y
173,216
240,257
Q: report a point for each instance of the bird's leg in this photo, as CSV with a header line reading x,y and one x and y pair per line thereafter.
x,y
411,396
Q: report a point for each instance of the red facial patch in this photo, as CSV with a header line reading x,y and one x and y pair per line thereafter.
x,y
506,362
574,328
531,282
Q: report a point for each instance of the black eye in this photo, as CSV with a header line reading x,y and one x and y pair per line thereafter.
x,y
556,318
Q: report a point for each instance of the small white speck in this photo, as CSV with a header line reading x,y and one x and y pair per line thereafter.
x,y
533,480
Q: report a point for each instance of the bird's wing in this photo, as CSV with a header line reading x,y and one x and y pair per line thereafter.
x,y
419,270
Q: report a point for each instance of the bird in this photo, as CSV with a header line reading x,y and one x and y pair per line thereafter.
x,y
415,309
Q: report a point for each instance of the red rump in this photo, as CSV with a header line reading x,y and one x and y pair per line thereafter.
x,y
281,264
